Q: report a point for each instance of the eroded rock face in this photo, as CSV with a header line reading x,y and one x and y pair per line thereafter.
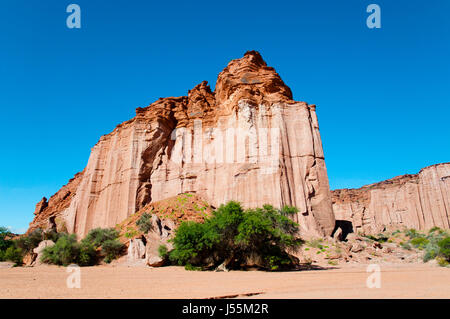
x,y
419,201
51,211
247,141
39,250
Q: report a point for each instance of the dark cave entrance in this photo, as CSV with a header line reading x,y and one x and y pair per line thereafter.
x,y
346,228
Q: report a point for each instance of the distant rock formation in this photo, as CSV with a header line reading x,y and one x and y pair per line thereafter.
x,y
247,141
419,201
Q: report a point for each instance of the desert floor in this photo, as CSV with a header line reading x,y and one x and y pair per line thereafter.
x,y
349,281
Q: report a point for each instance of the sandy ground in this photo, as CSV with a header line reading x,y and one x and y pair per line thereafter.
x,y
397,281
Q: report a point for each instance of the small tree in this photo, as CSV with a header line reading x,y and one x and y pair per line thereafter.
x,y
14,254
231,235
64,252
112,249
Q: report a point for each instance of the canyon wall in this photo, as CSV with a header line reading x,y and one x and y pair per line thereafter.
x,y
247,141
419,201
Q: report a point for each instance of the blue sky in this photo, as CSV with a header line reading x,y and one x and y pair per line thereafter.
x,y
382,95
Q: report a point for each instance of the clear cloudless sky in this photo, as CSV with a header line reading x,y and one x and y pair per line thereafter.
x,y
382,95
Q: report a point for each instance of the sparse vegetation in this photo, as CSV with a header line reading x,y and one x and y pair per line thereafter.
x,y
86,252
381,238
419,242
144,223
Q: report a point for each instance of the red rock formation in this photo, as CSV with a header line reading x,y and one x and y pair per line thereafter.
x,y
54,207
247,141
419,201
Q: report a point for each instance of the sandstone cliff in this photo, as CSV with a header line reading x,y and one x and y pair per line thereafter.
x,y
419,201
247,141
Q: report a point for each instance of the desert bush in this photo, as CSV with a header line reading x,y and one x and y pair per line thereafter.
x,y
437,248
107,240
52,235
419,242
28,242
65,251
84,253
406,246
163,252
378,238
87,254
144,223
231,234
14,254
444,248
435,229
112,249
4,243
98,236
315,243
412,233
431,251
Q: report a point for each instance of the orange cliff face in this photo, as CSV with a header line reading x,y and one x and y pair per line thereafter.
x,y
420,201
247,141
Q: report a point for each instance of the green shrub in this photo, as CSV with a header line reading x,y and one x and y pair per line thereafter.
x,y
112,249
431,252
144,223
231,234
14,254
87,254
419,242
52,235
315,243
435,229
163,251
84,253
106,238
443,262
378,238
98,236
444,248
31,241
4,243
64,252
412,233
406,246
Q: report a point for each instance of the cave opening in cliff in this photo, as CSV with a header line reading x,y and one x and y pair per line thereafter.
x,y
346,228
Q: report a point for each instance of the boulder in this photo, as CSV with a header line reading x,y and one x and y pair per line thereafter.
x,y
136,249
39,249
356,247
155,261
221,268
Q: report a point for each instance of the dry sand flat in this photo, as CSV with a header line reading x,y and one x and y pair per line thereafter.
x,y
397,280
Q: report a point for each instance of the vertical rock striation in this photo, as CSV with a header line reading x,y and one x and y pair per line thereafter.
x,y
248,141
419,201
